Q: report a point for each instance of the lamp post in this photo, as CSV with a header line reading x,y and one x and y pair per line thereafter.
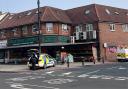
x,y
38,26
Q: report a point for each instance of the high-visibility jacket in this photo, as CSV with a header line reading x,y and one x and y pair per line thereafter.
x,y
43,59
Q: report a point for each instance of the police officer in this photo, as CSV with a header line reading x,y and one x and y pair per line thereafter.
x,y
34,60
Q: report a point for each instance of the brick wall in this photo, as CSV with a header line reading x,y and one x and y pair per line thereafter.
x,y
57,29
115,38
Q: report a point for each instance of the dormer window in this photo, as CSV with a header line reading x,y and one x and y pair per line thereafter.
x,y
107,11
87,12
116,13
19,16
65,27
37,12
29,13
14,32
10,17
127,14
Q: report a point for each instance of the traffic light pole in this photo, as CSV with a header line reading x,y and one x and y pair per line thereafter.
x,y
39,33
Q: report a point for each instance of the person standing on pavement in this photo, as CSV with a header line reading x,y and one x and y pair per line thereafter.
x,y
34,60
68,60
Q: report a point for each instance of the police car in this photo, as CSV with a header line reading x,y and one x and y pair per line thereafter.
x,y
44,61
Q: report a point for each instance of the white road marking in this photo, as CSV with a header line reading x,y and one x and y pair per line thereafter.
x,y
18,86
63,74
41,86
121,78
25,78
121,68
87,74
95,76
68,73
112,67
50,72
21,86
92,72
107,77
59,81
20,78
71,76
83,75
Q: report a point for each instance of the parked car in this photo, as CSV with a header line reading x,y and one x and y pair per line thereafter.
x,y
44,61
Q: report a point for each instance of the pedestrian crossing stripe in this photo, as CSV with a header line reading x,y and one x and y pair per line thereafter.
x,y
95,76
50,72
69,74
83,75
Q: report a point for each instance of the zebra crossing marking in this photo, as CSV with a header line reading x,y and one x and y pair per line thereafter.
x,y
50,72
68,73
83,75
95,76
86,75
107,77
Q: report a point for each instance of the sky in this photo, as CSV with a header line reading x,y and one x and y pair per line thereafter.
x,y
16,6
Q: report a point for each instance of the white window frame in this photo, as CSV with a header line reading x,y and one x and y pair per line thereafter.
x,y
89,27
34,28
24,29
112,27
125,27
78,28
49,27
14,32
64,27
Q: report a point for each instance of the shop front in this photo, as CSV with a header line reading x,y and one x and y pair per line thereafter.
x,y
3,44
17,48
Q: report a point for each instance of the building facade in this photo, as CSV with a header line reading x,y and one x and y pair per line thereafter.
x,y
92,30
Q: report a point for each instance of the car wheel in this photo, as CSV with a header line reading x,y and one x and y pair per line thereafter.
x,y
54,65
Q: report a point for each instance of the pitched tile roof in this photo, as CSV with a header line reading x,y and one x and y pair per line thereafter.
x,y
48,14
84,14
80,15
94,12
111,14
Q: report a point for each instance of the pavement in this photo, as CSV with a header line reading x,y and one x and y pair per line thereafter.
x,y
24,68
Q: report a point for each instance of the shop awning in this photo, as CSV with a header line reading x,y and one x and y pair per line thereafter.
x,y
46,44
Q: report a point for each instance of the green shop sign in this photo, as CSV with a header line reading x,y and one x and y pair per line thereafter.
x,y
50,39
34,40
63,39
55,38
23,41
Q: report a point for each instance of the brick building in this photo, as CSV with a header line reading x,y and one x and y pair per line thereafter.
x,y
98,31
